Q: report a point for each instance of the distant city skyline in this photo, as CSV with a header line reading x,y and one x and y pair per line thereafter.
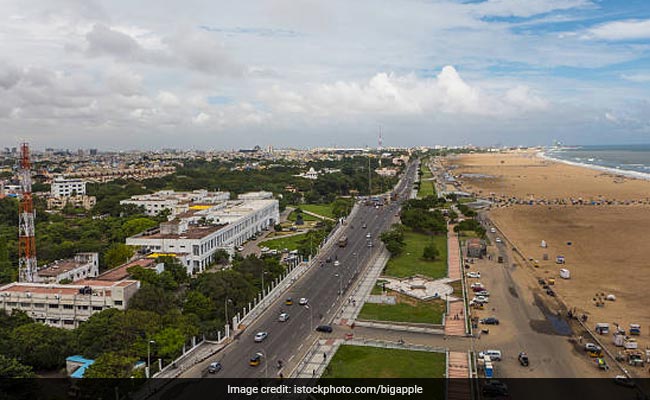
x,y
305,73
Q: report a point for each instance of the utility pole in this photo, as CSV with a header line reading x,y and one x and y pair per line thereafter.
x,y
27,264
369,178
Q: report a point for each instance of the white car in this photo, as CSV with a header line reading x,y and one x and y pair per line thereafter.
x,y
483,293
337,263
476,284
240,248
368,235
493,230
303,301
283,317
260,336
473,274
498,240
480,299
495,355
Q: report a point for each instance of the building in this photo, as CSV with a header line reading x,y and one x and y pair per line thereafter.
x,y
65,306
311,174
79,201
82,266
194,236
261,195
476,248
62,187
386,172
175,202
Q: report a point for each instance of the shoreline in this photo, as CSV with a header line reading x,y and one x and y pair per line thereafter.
x,y
614,171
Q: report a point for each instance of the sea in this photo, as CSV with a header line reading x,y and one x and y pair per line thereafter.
x,y
630,160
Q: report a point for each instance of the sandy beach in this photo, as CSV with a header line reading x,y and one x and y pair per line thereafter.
x,y
608,251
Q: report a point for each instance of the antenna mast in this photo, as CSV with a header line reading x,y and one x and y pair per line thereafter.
x,y
26,232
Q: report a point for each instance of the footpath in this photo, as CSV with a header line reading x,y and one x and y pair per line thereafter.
x,y
455,318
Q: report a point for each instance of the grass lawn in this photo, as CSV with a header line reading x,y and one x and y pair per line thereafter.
x,y
410,262
426,189
305,217
406,310
377,289
321,209
290,242
458,288
373,362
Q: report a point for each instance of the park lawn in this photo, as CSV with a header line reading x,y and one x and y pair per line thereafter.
x,y
321,209
426,189
374,362
410,262
290,242
305,217
416,311
458,288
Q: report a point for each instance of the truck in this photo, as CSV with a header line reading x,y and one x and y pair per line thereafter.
x,y
343,241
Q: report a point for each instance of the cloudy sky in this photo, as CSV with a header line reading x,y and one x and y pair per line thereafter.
x,y
220,74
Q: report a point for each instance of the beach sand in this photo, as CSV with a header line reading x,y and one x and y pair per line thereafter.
x,y
609,252
525,175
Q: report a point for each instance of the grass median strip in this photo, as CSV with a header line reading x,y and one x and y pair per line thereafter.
x,y
410,262
374,362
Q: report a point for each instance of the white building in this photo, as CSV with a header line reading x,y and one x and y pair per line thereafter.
x,y
311,174
62,187
65,306
261,195
82,266
196,235
176,202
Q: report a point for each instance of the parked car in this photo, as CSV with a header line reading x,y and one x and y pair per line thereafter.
x,y
480,299
260,336
478,289
489,321
493,230
283,317
495,355
473,274
255,360
324,328
591,347
550,292
498,240
240,248
483,293
541,282
303,301
337,263
623,380
214,367
476,284
523,359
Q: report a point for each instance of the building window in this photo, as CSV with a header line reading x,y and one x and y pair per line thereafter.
x,y
24,305
53,305
54,321
39,305
118,302
68,322
12,304
82,307
97,308
68,306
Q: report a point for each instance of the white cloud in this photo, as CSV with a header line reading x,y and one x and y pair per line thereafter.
x,y
621,30
641,78
526,8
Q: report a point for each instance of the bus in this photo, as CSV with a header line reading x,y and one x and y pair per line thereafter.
x,y
343,241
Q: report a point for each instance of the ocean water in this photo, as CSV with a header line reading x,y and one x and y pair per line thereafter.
x,y
633,159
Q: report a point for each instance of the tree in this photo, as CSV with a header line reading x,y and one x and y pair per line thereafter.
x,y
138,225
103,332
12,368
198,304
394,240
111,365
169,343
42,346
153,298
118,254
341,207
430,252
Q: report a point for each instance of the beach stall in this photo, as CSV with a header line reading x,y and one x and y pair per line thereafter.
x,y
602,328
565,273
560,260
635,329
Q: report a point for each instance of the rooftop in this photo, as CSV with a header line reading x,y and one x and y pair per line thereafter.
x,y
192,232
120,272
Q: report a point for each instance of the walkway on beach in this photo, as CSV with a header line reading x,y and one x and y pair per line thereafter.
x,y
455,319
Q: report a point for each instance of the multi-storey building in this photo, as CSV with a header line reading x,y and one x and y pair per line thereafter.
x,y
62,187
195,235
82,266
65,306
175,202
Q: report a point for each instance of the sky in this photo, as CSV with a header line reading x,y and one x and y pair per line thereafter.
x,y
205,75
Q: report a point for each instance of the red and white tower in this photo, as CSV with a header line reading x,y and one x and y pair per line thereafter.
x,y
26,232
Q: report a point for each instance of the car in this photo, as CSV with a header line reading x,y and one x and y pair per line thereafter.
x,y
495,355
240,248
283,317
541,282
328,260
368,235
498,240
623,380
337,263
550,292
364,226
336,274
303,301
260,336
591,347
480,299
493,230
483,293
523,359
288,301
214,367
369,244
473,274
476,284
324,328
490,321
255,360
478,289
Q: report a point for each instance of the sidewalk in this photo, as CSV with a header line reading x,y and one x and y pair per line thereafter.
x,y
455,319
458,367
317,359
351,308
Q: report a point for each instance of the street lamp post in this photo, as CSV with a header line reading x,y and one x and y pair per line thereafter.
x,y
225,305
149,343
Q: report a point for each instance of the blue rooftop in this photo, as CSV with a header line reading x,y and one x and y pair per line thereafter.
x,y
79,372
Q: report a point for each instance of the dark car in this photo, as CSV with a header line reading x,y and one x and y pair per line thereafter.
x,y
541,282
324,328
523,359
489,321
550,292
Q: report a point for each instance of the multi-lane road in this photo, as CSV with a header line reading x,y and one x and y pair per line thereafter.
x,y
324,285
